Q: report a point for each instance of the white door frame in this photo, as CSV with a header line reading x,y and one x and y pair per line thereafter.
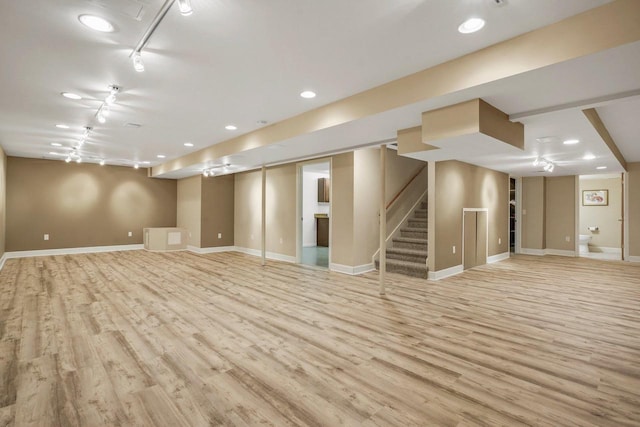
x,y
299,185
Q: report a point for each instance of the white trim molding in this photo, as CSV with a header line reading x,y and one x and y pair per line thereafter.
x,y
211,250
269,255
605,250
632,258
540,252
2,260
352,271
528,251
447,272
72,251
498,257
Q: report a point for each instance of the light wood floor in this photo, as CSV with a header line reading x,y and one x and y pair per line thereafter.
x,y
140,338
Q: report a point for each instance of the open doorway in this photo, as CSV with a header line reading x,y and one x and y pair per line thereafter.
x,y
600,217
315,207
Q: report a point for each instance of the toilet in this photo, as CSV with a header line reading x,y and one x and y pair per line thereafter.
x,y
583,243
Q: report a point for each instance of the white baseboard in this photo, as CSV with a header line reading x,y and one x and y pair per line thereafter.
x,y
540,252
528,251
498,257
269,255
212,250
633,258
352,271
2,260
447,272
72,251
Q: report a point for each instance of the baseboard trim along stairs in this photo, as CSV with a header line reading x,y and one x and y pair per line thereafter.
x,y
408,252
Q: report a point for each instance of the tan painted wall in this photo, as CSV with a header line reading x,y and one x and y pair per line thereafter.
x,y
3,200
533,213
366,204
247,209
81,205
560,212
217,211
189,207
633,178
281,209
606,218
461,185
342,195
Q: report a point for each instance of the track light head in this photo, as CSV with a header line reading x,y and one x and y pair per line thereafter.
x,y
185,7
138,65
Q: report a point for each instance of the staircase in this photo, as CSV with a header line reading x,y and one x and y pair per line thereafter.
x,y
408,254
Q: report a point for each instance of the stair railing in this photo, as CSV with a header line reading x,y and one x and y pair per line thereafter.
x,y
402,190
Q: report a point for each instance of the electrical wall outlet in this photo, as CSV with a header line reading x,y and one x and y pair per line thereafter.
x,y
46,237
130,233
281,240
567,238
454,249
219,235
499,240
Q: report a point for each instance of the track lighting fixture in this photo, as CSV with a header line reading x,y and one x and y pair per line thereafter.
x,y
68,159
547,166
212,170
185,7
113,91
138,65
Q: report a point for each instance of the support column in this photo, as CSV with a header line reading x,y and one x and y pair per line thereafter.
x,y
264,215
383,217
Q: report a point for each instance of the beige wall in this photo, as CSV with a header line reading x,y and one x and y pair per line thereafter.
x,y
217,209
533,213
247,209
3,197
461,185
342,196
560,212
189,206
82,205
633,181
281,209
605,218
366,204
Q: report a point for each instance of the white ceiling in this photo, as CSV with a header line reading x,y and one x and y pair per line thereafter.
x,y
241,61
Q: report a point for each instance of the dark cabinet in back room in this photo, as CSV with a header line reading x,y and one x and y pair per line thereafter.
x,y
323,190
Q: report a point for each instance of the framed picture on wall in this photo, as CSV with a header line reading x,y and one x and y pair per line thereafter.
x,y
595,197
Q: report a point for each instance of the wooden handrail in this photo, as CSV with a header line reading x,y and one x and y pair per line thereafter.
x,y
405,186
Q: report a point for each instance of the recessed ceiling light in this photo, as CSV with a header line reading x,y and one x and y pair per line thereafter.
x,y
136,166
261,122
62,126
146,162
601,167
308,94
589,157
71,95
161,156
471,25
571,141
56,144
96,23
188,144
230,127
102,162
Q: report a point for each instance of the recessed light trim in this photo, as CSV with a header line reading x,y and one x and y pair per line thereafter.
x,y
96,23
161,156
471,25
571,141
589,157
231,127
188,144
56,144
601,167
62,126
70,95
308,94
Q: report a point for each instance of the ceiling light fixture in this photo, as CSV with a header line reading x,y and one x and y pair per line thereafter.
x,y
68,159
71,95
102,162
188,144
601,167
571,141
231,127
471,25
79,160
308,94
161,156
136,166
56,144
138,65
62,126
589,156
185,7
96,23
212,170
547,165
